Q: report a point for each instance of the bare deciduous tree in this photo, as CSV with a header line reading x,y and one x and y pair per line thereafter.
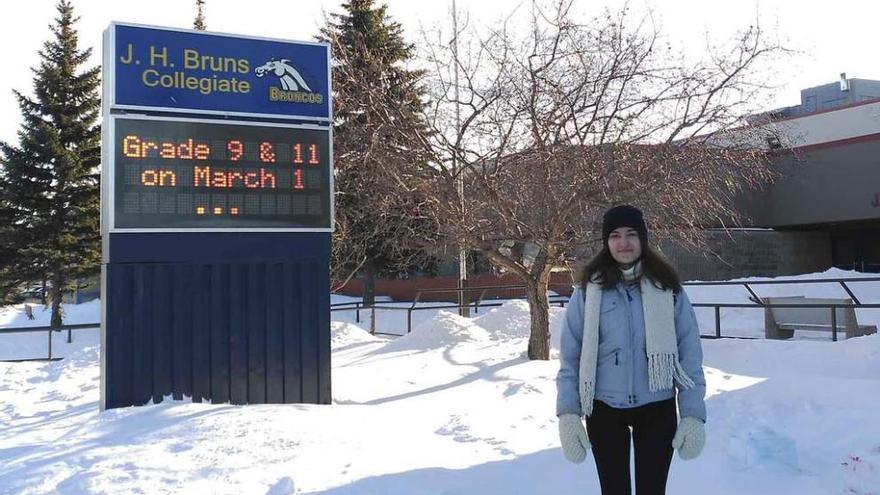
x,y
199,22
561,122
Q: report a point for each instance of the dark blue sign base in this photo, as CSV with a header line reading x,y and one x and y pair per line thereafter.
x,y
219,317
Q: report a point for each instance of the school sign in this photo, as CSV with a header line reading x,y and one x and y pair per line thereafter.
x,y
193,72
217,210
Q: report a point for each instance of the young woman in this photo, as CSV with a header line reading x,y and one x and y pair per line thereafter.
x,y
629,341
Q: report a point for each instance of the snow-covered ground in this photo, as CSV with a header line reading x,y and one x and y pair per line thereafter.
x,y
36,344
453,408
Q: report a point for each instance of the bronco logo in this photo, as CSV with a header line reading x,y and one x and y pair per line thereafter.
x,y
293,86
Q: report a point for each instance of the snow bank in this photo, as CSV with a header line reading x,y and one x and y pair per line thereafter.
x,y
344,335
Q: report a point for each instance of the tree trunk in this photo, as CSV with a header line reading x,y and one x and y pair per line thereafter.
x,y
539,311
464,297
536,280
55,294
369,291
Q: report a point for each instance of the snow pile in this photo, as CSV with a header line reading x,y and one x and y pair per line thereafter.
x,y
512,321
509,321
443,329
343,335
454,408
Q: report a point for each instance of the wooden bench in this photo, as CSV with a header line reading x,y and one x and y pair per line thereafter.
x,y
780,323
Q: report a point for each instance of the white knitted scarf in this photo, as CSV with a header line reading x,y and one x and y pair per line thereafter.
x,y
661,342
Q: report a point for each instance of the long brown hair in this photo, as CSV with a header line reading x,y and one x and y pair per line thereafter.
x,y
604,270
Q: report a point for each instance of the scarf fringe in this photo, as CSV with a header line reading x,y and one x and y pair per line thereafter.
x,y
663,369
681,376
587,398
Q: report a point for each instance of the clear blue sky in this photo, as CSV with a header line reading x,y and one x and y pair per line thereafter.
x,y
833,37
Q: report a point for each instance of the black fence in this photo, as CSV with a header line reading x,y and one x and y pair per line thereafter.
x,y
554,299
758,302
49,331
561,300
475,303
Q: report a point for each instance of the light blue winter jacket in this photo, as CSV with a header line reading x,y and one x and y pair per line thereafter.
x,y
622,368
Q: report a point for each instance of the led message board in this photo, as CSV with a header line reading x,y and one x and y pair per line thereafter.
x,y
179,174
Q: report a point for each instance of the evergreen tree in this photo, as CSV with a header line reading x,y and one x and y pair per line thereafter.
x,y
379,141
51,179
199,23
9,280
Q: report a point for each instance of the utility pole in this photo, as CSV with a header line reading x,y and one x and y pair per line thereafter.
x,y
463,299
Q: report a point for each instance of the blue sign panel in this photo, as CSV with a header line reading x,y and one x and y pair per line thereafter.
x,y
195,72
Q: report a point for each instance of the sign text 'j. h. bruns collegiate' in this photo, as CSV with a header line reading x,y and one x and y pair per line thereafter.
x,y
216,215
188,71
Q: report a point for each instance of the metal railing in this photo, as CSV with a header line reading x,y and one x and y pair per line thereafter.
x,y
50,331
482,293
561,300
758,302
477,304
348,306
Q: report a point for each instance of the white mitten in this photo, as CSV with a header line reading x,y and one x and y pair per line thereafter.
x,y
689,438
573,437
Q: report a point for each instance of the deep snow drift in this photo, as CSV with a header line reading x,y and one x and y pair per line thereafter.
x,y
453,408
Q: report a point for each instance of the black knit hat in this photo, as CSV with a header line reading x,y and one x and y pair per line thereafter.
x,y
624,216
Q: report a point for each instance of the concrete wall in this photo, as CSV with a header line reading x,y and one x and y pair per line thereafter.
x,y
750,253
820,186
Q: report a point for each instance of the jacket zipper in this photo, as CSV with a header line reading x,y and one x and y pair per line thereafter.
x,y
629,370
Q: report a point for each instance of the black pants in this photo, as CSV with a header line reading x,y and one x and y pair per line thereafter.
x,y
653,426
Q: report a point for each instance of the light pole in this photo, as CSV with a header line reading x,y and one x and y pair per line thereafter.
x,y
463,299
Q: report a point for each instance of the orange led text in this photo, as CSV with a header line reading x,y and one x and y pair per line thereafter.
x,y
159,178
137,147
208,177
